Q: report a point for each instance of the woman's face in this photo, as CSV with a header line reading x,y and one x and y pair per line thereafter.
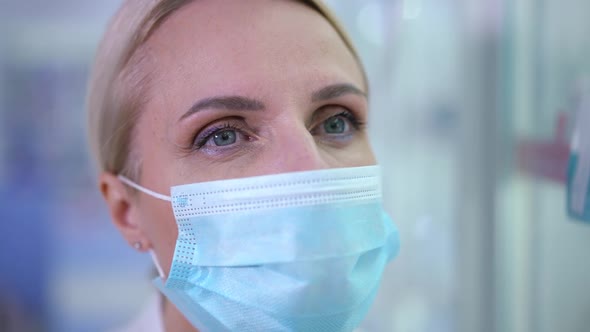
x,y
244,88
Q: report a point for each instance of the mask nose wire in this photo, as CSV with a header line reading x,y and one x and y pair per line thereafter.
x,y
144,190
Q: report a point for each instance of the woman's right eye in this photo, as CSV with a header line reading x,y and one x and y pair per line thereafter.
x,y
220,136
224,137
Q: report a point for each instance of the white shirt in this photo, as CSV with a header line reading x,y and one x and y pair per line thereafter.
x,y
149,320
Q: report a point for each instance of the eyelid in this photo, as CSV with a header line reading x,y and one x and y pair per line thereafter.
x,y
201,138
328,112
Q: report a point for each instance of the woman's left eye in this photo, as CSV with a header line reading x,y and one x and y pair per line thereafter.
x,y
335,125
341,124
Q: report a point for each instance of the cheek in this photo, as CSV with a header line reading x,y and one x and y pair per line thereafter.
x,y
358,153
160,228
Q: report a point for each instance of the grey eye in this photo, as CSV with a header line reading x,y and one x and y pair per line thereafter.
x,y
335,125
225,137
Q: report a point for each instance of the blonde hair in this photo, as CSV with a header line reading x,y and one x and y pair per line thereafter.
x,y
117,83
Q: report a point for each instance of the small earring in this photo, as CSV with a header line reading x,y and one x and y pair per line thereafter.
x,y
137,245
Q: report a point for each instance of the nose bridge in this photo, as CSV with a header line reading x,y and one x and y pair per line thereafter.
x,y
296,149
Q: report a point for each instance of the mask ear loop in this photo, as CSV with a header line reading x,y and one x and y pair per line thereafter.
x,y
155,195
157,264
144,190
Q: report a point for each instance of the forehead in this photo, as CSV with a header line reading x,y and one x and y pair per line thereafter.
x,y
247,46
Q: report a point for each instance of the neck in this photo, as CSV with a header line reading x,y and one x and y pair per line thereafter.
x,y
173,320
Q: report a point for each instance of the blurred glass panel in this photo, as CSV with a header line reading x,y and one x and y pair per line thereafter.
x,y
473,103
542,266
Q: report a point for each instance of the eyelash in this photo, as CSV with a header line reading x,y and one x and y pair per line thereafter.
x,y
356,123
202,139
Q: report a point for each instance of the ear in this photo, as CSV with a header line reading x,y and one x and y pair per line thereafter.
x,y
123,210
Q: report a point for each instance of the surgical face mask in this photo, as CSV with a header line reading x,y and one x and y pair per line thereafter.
x,y
300,251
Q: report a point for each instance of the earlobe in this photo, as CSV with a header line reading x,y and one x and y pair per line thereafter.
x,y
123,210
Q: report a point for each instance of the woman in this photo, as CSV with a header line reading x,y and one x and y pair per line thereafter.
x,y
251,114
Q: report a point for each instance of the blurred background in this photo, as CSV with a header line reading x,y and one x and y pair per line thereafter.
x,y
474,104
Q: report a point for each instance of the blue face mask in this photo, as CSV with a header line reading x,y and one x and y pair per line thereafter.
x,y
298,251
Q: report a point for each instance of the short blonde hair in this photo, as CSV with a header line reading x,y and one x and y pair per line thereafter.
x,y
117,83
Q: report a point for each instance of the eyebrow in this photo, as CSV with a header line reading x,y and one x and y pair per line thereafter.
x,y
234,103
335,91
240,103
